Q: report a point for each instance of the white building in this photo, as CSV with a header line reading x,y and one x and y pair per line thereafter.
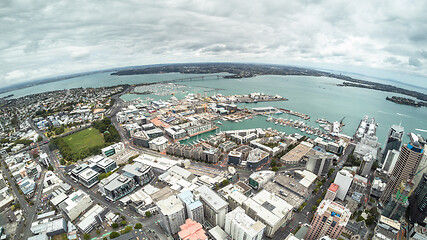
x,y
242,227
88,177
390,160
258,179
266,207
215,208
343,179
91,219
75,204
159,144
194,208
172,213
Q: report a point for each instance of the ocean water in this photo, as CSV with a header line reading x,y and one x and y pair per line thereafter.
x,y
319,97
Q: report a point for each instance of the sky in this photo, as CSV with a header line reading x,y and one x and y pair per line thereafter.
x,y
43,38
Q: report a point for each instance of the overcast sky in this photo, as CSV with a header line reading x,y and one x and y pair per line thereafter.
x,y
42,38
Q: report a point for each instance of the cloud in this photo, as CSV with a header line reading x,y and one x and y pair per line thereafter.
x,y
54,37
414,62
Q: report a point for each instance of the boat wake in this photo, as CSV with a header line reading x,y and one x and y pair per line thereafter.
x,y
421,130
384,112
403,115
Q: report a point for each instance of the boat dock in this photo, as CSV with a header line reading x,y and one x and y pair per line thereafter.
x,y
290,112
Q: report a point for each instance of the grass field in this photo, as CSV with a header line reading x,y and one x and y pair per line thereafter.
x,y
85,139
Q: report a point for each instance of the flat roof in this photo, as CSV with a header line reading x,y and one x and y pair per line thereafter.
x,y
136,168
211,198
88,174
334,187
257,155
273,203
170,205
289,196
392,223
117,182
105,162
296,154
218,234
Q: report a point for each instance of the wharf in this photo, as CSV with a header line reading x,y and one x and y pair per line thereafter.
x,y
290,112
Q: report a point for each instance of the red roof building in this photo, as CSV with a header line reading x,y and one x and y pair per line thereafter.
x,y
332,192
192,230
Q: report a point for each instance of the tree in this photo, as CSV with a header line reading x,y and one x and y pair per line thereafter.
x,y
123,217
126,230
98,232
39,139
374,166
130,160
123,223
319,200
50,168
359,218
331,170
313,208
224,182
114,225
114,235
148,214
86,236
275,169
273,163
138,226
370,220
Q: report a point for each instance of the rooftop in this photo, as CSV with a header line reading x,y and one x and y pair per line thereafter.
x,y
251,226
192,230
135,169
257,155
296,154
210,197
88,174
218,234
170,205
333,188
117,182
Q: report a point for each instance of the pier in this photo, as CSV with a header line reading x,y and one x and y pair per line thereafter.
x,y
290,112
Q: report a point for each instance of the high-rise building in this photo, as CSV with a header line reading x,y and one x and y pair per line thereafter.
x,y
319,164
214,206
422,168
172,214
331,193
418,202
393,140
406,166
390,160
242,227
194,207
343,179
366,165
398,202
329,220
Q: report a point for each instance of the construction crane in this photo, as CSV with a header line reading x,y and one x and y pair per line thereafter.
x,y
342,120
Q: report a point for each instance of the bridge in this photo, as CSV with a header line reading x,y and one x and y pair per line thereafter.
x,y
189,79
